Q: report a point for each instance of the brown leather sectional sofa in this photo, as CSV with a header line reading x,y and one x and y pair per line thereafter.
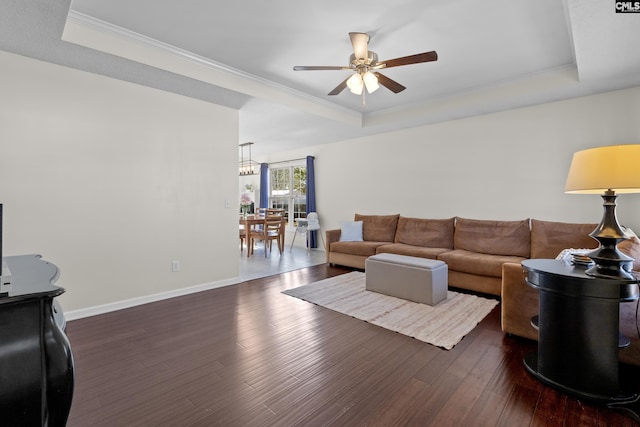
x,y
483,256
473,249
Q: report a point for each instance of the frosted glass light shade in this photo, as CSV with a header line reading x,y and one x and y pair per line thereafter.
x,y
596,170
355,84
370,81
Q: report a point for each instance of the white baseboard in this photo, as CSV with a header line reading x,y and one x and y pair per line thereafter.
x,y
120,305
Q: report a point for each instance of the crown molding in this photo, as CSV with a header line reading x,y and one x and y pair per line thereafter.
x,y
246,83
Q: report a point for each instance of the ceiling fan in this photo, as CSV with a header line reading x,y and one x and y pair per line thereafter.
x,y
365,64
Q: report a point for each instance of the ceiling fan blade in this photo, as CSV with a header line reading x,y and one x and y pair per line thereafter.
x,y
340,87
318,67
360,43
411,59
392,85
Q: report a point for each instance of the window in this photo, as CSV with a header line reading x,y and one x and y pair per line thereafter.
x,y
288,191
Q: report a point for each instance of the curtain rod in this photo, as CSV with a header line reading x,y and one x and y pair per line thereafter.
x,y
288,161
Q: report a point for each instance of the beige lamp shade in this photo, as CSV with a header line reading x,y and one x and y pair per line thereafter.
x,y
596,170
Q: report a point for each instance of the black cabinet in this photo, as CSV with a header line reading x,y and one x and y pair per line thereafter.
x,y
36,363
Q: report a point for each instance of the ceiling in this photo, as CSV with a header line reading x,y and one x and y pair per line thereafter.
x,y
493,55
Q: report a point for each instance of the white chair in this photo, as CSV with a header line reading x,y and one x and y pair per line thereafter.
x,y
305,226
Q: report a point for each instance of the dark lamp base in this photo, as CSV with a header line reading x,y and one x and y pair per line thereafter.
x,y
609,261
607,265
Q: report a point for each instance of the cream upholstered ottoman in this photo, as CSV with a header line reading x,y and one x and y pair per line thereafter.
x,y
417,279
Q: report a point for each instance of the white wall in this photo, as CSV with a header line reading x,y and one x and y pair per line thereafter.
x,y
509,165
111,181
253,180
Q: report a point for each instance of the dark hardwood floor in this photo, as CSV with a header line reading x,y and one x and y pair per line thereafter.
x,y
247,355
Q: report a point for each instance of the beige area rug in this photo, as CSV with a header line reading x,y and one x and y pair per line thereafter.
x,y
443,325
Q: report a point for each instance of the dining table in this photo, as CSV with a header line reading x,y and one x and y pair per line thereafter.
x,y
249,221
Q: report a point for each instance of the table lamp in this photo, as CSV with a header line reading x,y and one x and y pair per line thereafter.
x,y
606,171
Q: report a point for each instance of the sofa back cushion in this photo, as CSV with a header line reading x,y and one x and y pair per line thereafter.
x,y
430,233
378,228
549,238
493,237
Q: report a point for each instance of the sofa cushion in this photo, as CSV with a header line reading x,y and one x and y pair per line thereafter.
x,y
432,233
411,250
351,231
549,238
356,248
511,238
473,282
378,228
477,263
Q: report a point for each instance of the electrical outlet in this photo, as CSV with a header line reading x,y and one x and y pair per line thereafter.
x,y
175,266
227,203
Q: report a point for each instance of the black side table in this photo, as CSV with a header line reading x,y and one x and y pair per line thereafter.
x,y
578,332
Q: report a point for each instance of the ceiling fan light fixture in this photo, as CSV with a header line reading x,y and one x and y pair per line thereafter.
x,y
355,84
363,61
370,81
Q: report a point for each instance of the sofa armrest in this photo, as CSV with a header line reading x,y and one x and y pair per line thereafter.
x,y
331,237
519,302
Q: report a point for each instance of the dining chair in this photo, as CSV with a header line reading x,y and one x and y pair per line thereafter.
x,y
243,236
250,229
273,229
275,211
